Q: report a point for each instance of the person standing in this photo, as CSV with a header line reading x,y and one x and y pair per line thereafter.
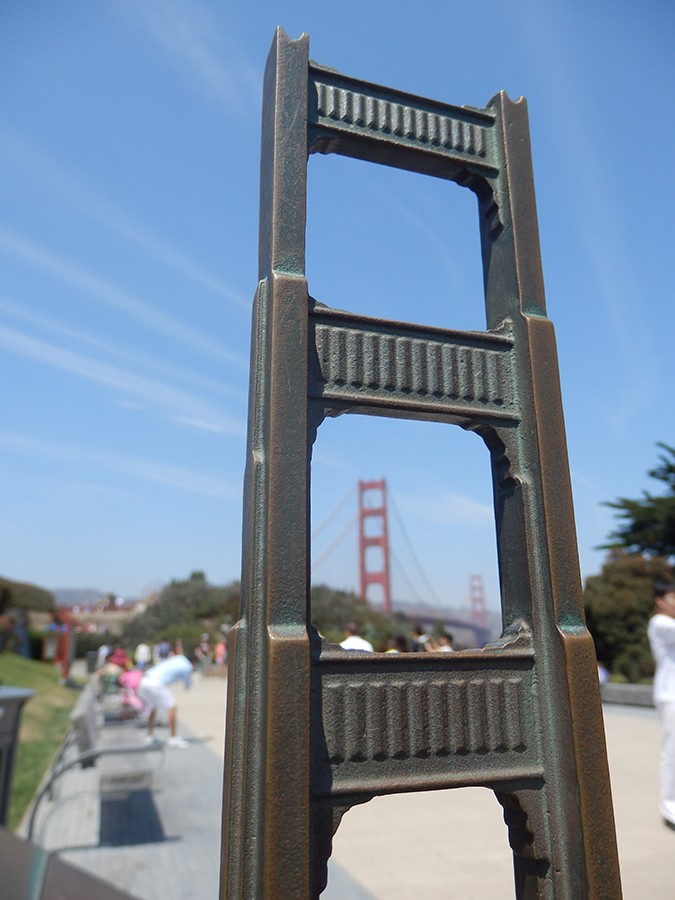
x,y
142,655
103,651
352,640
446,643
421,641
155,694
661,632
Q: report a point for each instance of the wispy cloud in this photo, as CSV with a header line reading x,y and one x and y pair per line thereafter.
x,y
189,33
180,406
38,164
135,467
590,486
594,519
448,508
145,360
405,211
113,296
600,220
320,458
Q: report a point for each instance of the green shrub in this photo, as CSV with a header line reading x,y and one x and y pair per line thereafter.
x,y
24,596
36,637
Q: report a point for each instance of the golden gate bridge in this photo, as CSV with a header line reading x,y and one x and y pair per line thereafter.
x,y
375,556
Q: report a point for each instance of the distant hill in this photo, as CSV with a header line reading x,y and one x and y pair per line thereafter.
x,y
77,596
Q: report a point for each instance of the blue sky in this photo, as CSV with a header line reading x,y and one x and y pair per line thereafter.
x,y
129,152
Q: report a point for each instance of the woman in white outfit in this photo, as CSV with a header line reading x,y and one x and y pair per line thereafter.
x,y
661,633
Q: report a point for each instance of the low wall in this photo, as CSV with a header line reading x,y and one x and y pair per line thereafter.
x,y
628,694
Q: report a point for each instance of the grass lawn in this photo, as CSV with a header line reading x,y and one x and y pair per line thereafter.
x,y
44,722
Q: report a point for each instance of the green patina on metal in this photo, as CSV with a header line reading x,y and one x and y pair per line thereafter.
x,y
313,730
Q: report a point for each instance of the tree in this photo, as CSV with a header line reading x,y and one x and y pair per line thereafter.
x,y
620,600
618,604
649,523
333,610
184,607
17,594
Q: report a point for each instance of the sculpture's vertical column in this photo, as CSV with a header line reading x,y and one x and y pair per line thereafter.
x,y
575,832
569,637
266,809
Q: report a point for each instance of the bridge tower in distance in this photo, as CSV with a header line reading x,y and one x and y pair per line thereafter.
x,y
477,594
373,533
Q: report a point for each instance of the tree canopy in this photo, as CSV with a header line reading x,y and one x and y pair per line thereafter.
x,y
618,604
648,524
184,608
620,600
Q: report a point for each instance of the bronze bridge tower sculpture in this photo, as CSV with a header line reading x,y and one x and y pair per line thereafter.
x,y
313,730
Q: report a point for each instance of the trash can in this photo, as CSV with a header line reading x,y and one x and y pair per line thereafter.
x,y
12,700
91,657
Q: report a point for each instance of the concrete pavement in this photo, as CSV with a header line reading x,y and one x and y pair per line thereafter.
x,y
164,843
161,843
454,843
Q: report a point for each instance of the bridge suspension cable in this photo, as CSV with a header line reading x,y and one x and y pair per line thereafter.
x,y
329,518
404,575
327,552
414,555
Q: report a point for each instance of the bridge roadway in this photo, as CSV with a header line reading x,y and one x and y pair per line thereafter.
x,y
428,617
443,844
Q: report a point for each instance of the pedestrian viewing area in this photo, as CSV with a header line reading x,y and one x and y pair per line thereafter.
x,y
163,842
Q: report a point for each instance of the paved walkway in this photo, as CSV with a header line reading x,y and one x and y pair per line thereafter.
x,y
453,844
159,844
443,844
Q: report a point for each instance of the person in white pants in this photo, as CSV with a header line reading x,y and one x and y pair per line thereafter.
x,y
155,694
661,633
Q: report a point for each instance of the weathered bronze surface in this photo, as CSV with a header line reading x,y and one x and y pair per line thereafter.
x,y
313,730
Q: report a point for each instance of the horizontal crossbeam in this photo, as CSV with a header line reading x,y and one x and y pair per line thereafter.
x,y
391,722
356,118
379,364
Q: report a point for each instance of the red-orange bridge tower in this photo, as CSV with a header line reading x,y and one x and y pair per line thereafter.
x,y
373,532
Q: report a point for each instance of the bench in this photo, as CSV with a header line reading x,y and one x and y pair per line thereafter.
x,y
124,766
29,873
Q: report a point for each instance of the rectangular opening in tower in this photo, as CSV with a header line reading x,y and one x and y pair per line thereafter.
x,y
440,531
